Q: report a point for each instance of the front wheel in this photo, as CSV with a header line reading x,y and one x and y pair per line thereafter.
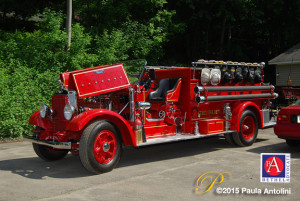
x,y
100,147
248,129
48,153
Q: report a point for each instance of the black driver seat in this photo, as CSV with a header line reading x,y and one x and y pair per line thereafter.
x,y
163,87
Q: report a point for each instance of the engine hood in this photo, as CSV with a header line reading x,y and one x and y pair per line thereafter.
x,y
97,80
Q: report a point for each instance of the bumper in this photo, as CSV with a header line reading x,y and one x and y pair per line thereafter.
x,y
287,131
53,144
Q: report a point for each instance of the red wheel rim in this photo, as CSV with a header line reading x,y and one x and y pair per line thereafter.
x,y
248,127
105,146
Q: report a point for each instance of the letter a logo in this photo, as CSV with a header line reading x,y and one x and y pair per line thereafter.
x,y
273,164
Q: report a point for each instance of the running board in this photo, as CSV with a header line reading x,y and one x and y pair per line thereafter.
x,y
179,137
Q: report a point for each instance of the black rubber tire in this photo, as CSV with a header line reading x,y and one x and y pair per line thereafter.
x,y
239,138
48,153
229,138
292,143
86,147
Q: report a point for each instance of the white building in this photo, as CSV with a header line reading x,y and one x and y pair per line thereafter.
x,y
288,65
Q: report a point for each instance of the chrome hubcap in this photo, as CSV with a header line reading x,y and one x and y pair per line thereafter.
x,y
106,147
246,127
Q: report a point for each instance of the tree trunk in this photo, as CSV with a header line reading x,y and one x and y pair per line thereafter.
x,y
69,23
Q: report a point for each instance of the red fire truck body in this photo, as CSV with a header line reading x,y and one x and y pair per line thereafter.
x,y
98,111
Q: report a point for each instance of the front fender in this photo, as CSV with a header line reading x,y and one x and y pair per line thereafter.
x,y
82,120
238,109
37,120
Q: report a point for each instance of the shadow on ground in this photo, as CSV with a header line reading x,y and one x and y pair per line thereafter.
x,y
277,148
36,168
70,167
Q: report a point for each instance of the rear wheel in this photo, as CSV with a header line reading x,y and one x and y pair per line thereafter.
x,y
48,153
100,147
229,138
248,129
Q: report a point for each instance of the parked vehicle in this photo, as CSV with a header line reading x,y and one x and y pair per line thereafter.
x,y
288,124
286,96
98,111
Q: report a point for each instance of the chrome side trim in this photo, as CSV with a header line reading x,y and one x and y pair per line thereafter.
x,y
56,145
153,119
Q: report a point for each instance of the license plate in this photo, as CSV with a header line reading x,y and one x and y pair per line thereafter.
x,y
298,119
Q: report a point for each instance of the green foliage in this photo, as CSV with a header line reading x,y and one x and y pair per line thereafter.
x,y
22,93
111,47
30,64
143,26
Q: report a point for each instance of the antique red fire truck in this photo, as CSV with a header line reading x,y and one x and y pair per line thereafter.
x,y
98,111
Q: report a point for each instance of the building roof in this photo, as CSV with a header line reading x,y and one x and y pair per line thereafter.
x,y
291,56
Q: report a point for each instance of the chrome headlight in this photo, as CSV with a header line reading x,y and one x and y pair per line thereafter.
x,y
69,110
43,110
